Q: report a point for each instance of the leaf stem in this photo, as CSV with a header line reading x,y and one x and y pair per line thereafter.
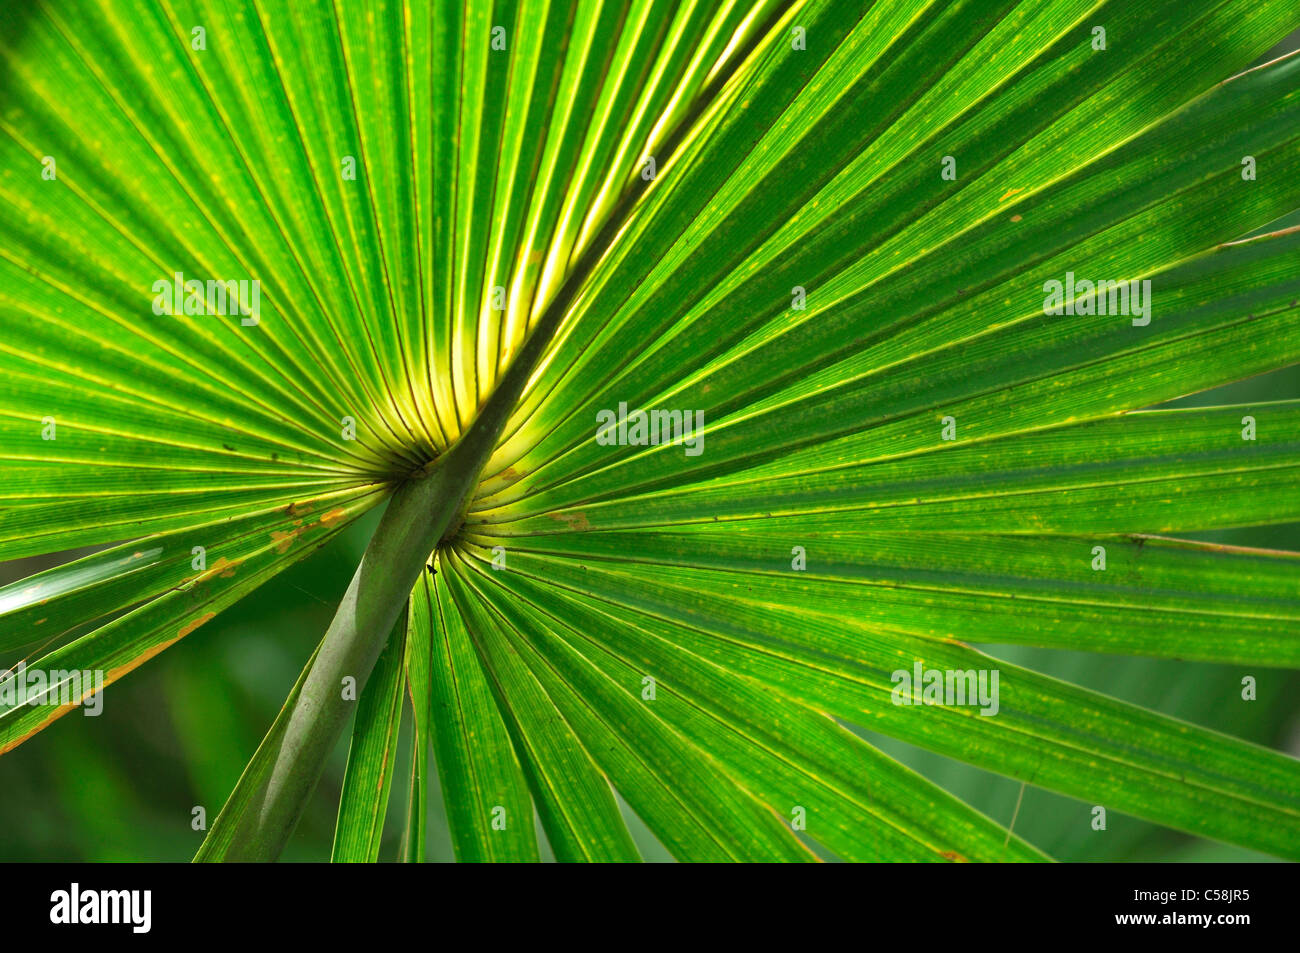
x,y
266,805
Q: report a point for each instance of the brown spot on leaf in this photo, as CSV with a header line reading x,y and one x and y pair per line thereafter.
x,y
333,516
185,630
223,567
284,540
576,521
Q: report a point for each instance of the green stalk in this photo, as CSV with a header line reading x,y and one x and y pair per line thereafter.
x,y
265,807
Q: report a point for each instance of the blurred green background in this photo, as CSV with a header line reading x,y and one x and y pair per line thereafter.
x,y
176,733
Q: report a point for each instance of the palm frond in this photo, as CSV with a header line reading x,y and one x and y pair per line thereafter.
x,y
477,240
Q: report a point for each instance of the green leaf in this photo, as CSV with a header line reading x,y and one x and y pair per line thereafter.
x,y
477,766
372,758
419,689
857,802
1044,732
828,230
574,799
49,604
131,639
1133,594
1153,471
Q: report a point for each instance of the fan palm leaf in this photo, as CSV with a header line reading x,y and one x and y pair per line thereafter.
x,y
822,231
